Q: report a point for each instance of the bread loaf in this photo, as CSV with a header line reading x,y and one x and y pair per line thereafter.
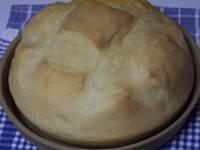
x,y
101,71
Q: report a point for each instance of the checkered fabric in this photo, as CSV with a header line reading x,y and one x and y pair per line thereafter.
x,y
187,139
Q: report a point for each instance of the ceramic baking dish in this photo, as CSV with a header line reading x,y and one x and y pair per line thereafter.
x,y
44,142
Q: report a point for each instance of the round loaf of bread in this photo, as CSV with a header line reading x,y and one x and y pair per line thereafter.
x,y
101,72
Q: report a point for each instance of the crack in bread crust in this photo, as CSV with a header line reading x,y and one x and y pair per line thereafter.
x,y
98,22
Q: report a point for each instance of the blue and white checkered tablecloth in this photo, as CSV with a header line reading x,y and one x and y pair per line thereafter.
x,y
187,139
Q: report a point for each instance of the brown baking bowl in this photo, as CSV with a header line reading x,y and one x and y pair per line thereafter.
x,y
43,141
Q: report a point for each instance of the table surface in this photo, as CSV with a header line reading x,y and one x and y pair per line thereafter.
x,y
6,4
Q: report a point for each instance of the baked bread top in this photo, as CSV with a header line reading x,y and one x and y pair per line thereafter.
x,y
101,72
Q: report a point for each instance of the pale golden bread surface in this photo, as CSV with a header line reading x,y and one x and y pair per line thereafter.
x,y
101,72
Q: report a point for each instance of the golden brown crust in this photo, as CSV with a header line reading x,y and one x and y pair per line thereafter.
x,y
69,87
